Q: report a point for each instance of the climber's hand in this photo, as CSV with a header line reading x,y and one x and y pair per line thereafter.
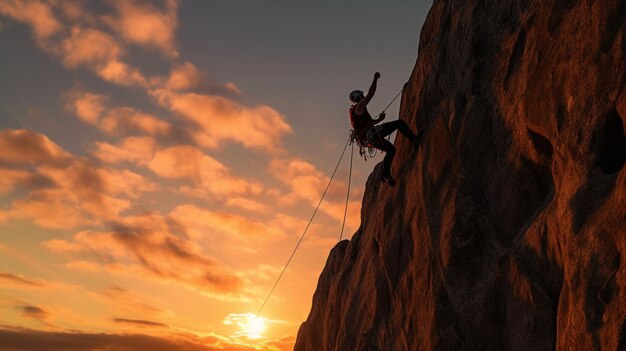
x,y
376,75
381,116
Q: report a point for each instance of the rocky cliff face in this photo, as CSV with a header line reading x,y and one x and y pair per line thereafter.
x,y
507,228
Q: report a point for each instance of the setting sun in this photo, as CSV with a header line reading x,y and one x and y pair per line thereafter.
x,y
254,327
246,325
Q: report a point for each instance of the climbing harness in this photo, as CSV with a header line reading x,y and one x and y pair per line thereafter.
x,y
366,145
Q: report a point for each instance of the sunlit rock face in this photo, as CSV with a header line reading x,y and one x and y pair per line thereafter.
x,y
507,228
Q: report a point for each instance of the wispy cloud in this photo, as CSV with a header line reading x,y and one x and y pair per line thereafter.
x,y
187,77
29,283
140,323
34,312
22,281
200,222
161,254
126,301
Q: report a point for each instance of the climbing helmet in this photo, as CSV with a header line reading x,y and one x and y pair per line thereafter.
x,y
354,95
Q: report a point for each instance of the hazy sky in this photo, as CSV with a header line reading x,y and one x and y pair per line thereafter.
x,y
160,159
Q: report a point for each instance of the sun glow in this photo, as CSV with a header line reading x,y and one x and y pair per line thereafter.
x,y
248,325
254,327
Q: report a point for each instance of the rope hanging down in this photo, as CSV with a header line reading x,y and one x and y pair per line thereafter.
x,y
305,229
345,211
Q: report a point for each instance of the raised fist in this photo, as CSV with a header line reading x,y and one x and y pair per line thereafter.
x,y
376,75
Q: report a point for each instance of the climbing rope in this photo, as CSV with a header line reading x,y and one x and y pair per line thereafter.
x,y
307,226
345,211
394,99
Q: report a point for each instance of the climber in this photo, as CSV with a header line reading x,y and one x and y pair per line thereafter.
x,y
368,133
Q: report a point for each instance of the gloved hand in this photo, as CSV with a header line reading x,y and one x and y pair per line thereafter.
x,y
382,116
376,75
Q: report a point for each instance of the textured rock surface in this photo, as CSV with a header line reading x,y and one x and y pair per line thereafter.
x,y
507,229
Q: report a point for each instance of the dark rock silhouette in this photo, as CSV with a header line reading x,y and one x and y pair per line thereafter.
x,y
507,229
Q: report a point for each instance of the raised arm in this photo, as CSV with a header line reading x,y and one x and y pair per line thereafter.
x,y
360,106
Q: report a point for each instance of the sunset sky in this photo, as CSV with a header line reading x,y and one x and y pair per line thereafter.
x,y
160,159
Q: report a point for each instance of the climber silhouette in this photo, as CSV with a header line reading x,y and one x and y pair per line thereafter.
x,y
369,134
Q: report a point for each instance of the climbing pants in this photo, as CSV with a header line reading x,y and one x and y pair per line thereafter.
x,y
387,147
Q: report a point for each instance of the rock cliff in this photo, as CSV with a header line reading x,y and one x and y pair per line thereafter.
x,y
507,228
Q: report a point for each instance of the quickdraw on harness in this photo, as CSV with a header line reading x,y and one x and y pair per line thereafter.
x,y
367,143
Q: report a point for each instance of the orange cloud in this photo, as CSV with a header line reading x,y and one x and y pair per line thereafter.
x,y
247,204
126,120
34,312
101,193
187,77
200,221
120,121
187,162
74,191
25,147
144,24
21,281
307,183
90,47
138,150
127,302
220,119
87,106
84,45
64,246
49,209
140,323
11,179
101,53
304,180
160,253
37,14
121,73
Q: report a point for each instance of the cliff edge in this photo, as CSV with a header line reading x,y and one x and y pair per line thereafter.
x,y
507,228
